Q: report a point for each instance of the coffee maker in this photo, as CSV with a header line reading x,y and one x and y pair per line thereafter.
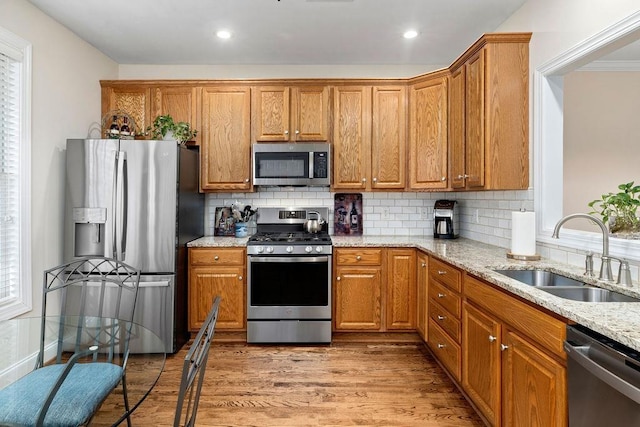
x,y
446,223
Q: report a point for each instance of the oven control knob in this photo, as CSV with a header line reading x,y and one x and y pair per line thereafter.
x,y
259,249
318,248
289,249
269,249
308,249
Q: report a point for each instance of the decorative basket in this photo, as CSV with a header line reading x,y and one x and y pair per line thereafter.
x,y
107,120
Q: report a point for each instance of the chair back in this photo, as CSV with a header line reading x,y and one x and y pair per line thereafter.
x,y
102,294
195,363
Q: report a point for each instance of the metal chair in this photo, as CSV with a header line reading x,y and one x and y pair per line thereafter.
x,y
83,358
195,363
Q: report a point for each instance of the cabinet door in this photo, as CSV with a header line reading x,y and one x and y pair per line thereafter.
x,y
422,313
456,128
351,137
481,362
534,385
133,100
428,140
225,159
205,283
475,120
180,102
357,298
401,289
388,138
310,113
270,115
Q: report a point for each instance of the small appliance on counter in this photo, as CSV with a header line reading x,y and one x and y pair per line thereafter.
x,y
445,219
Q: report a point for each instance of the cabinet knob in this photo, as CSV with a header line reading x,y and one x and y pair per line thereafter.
x,y
465,176
443,179
503,347
442,272
286,132
441,346
364,179
358,258
441,317
216,257
460,177
492,338
240,278
338,278
246,180
441,295
375,179
297,132
424,264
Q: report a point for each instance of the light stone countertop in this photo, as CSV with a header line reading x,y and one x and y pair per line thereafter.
x,y
619,321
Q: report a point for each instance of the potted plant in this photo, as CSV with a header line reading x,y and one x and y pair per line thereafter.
x,y
161,126
164,127
620,209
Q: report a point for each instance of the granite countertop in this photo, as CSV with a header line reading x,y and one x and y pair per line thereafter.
x,y
617,320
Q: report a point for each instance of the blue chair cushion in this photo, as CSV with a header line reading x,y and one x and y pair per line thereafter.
x,y
78,398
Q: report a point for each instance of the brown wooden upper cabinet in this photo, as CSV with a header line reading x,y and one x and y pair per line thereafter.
x,y
225,156
489,114
290,114
428,133
369,134
180,102
134,100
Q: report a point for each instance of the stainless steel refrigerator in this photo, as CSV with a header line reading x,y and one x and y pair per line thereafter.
x,y
138,201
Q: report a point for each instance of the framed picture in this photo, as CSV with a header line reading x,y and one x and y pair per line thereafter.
x,y
224,225
347,210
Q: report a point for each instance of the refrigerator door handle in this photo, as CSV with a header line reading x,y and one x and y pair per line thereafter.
x,y
120,211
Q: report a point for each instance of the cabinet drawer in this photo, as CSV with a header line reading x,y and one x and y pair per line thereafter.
x,y
446,298
444,319
359,256
445,349
530,321
446,274
217,256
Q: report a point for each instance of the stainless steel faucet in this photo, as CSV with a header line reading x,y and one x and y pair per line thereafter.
x,y
605,266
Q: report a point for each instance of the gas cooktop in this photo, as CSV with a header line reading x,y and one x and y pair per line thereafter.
x,y
276,238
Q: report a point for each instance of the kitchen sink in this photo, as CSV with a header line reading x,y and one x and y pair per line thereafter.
x,y
540,278
590,294
566,287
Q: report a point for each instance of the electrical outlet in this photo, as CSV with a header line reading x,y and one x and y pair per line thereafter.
x,y
424,213
385,213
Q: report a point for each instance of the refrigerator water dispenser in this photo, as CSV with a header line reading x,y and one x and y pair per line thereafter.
x,y
89,224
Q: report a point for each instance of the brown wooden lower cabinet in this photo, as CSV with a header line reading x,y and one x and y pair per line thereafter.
x,y
212,272
422,280
512,377
374,289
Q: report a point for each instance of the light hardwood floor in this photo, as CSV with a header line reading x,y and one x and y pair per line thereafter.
x,y
346,383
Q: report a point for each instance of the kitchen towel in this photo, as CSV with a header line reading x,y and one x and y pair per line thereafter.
x,y
523,233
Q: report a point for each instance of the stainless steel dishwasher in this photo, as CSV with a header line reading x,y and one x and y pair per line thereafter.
x,y
603,379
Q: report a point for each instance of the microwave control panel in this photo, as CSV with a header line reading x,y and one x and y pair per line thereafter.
x,y
320,165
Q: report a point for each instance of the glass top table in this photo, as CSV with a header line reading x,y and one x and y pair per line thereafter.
x,y
20,344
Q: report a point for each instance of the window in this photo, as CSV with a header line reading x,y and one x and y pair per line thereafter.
x,y
15,262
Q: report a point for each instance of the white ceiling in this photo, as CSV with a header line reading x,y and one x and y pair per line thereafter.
x,y
327,32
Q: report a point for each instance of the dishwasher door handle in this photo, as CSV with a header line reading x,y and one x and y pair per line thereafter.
x,y
580,355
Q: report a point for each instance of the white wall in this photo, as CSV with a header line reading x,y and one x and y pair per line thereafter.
x,y
65,103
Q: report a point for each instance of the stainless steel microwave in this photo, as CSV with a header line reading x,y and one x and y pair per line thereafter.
x,y
284,164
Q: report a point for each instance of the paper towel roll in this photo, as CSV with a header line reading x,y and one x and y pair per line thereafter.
x,y
523,233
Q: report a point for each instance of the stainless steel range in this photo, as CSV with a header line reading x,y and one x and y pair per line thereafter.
x,y
289,278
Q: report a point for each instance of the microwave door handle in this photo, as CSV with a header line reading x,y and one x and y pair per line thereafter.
x,y
310,164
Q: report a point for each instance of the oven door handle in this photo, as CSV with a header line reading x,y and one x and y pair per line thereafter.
x,y
289,259
581,355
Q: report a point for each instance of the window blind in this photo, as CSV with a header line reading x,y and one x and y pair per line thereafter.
x,y
9,178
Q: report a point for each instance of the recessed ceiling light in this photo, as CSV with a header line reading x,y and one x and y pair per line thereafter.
x,y
223,34
409,34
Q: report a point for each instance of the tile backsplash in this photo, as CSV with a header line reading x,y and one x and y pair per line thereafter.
x,y
484,216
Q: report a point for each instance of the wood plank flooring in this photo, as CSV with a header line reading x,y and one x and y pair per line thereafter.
x,y
346,383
